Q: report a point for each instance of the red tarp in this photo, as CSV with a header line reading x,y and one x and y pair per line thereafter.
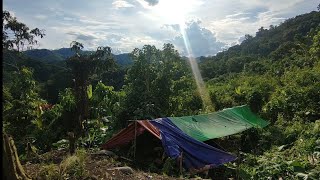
x,y
128,134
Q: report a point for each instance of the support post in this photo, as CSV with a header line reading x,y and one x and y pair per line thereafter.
x,y
135,140
180,163
238,160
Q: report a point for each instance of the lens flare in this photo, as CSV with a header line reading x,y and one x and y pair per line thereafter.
x,y
207,103
174,12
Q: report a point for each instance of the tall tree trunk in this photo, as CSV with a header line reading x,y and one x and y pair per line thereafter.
x,y
72,142
12,168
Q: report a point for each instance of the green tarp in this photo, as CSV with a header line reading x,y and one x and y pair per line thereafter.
x,y
219,124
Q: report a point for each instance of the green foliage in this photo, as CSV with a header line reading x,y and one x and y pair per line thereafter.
x,y
253,90
50,171
315,47
16,34
281,83
7,97
298,96
105,101
84,67
89,91
97,134
297,157
170,167
61,144
56,121
72,167
22,112
158,84
67,100
277,73
288,40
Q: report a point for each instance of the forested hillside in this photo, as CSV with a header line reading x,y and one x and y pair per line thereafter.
x,y
275,46
62,54
65,98
277,73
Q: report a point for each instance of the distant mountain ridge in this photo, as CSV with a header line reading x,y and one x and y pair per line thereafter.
x,y
62,54
268,46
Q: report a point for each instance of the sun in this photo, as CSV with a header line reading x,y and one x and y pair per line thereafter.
x,y
172,11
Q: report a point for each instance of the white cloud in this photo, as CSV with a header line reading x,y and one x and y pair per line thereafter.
x,y
68,18
272,5
40,16
152,2
124,24
117,4
233,26
169,11
201,41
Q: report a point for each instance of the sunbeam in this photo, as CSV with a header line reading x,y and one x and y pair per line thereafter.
x,y
207,103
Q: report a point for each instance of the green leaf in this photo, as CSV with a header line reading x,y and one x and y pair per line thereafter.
x,y
89,91
238,91
297,166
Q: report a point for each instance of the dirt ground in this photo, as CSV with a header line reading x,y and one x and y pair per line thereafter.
x,y
97,168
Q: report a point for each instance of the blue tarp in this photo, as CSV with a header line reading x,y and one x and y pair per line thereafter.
x,y
196,154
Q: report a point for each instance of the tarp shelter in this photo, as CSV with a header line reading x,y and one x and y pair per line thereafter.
x,y
128,134
219,124
184,134
195,154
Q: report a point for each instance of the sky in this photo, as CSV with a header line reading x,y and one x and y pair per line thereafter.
x,y
209,25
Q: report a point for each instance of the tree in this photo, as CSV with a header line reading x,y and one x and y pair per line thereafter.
x,y
158,84
83,66
140,101
12,168
247,37
21,116
315,47
16,35
104,101
22,111
261,31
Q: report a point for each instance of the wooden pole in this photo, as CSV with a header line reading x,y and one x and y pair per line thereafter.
x,y
180,163
135,140
238,160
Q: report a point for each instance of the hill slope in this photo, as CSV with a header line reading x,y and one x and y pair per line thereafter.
x,y
64,53
44,55
277,73
274,44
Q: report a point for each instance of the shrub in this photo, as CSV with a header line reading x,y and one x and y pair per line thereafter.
x,y
50,171
74,166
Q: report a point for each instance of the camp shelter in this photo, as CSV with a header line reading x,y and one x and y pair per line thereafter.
x,y
139,140
130,133
195,154
219,124
175,143
185,135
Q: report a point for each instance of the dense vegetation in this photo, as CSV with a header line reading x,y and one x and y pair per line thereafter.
x,y
277,73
